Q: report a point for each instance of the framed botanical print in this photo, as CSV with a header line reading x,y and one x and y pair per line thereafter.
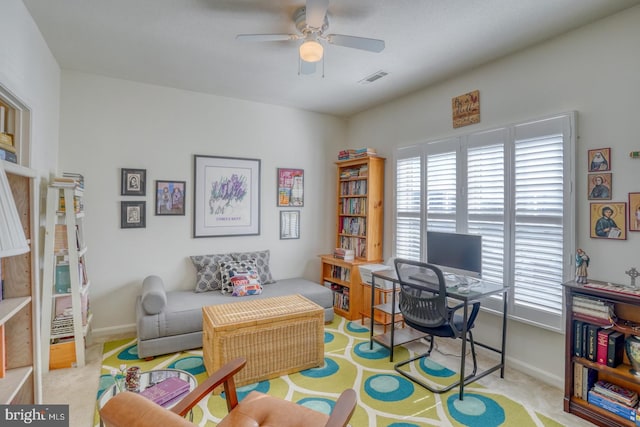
x,y
608,220
133,182
133,214
170,197
290,187
599,160
226,198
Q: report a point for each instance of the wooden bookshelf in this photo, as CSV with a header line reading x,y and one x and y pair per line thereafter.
x,y
626,307
359,226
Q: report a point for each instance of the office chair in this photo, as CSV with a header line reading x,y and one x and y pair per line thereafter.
x,y
127,409
423,304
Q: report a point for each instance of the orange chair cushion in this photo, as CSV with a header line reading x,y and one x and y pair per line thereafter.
x,y
260,410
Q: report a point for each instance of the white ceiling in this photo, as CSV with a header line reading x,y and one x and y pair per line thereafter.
x,y
190,44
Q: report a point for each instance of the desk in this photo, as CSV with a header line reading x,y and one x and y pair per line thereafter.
x,y
478,291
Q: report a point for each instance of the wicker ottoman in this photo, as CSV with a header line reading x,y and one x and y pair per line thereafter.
x,y
277,336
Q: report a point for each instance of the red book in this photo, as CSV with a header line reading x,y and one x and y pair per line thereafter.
x,y
166,390
603,346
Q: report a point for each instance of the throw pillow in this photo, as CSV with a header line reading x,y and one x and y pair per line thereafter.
x,y
230,269
262,263
208,273
245,283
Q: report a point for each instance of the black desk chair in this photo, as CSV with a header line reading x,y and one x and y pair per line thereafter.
x,y
423,304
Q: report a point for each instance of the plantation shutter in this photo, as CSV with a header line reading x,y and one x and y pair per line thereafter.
x,y
441,192
408,240
539,182
486,200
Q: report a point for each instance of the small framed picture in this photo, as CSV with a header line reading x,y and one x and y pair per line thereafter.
x,y
170,197
289,225
608,220
599,160
133,182
290,187
133,214
600,186
634,211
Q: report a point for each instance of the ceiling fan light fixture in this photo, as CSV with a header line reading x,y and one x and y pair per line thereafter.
x,y
311,51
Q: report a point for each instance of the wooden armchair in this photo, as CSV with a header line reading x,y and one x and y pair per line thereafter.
x,y
128,409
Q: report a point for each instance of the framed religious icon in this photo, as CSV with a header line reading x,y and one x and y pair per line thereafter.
x,y
634,211
226,198
609,220
599,160
290,187
600,186
133,214
133,182
170,197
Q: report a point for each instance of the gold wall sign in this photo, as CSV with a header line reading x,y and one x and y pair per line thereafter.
x,y
466,109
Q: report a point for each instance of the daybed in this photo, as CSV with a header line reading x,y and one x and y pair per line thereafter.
x,y
172,321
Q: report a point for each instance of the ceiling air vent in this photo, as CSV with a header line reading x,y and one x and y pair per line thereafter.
x,y
373,77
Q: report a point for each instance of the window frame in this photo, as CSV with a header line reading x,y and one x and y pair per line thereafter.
x,y
565,123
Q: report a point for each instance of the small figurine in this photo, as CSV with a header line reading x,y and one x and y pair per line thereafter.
x,y
582,262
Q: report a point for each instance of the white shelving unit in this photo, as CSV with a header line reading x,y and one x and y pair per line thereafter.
x,y
19,308
69,224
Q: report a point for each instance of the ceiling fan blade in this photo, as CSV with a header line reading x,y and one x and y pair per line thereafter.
x,y
266,37
316,11
371,45
307,67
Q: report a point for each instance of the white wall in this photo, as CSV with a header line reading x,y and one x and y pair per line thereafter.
x,y
30,73
108,124
593,70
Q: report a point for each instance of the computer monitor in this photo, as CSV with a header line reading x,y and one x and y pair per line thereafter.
x,y
455,253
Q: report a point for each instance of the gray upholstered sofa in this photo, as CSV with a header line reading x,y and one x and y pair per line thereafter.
x,y
172,321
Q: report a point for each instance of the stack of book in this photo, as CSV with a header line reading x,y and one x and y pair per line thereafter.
x,y
166,391
345,254
593,310
7,150
613,398
358,153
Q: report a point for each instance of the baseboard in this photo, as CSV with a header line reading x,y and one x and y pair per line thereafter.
x,y
537,373
114,332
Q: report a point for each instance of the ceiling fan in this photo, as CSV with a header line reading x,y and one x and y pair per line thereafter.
x,y
312,21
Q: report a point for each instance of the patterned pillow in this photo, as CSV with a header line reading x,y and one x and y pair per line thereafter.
x,y
262,263
245,283
208,274
244,270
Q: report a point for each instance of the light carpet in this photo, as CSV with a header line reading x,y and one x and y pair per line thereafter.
x,y
385,398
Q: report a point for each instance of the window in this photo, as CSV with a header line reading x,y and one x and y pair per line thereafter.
x,y
512,185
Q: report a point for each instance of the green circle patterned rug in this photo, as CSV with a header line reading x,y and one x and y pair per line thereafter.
x,y
385,398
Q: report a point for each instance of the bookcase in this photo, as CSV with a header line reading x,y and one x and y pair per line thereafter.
x,y
359,227
65,309
583,364
19,307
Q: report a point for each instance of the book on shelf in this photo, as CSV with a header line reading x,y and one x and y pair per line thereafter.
x,y
589,377
63,278
577,338
345,254
166,390
592,342
603,345
620,409
577,380
616,392
8,156
615,351
9,147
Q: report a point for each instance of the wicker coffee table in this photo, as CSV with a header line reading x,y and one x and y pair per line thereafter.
x,y
277,336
